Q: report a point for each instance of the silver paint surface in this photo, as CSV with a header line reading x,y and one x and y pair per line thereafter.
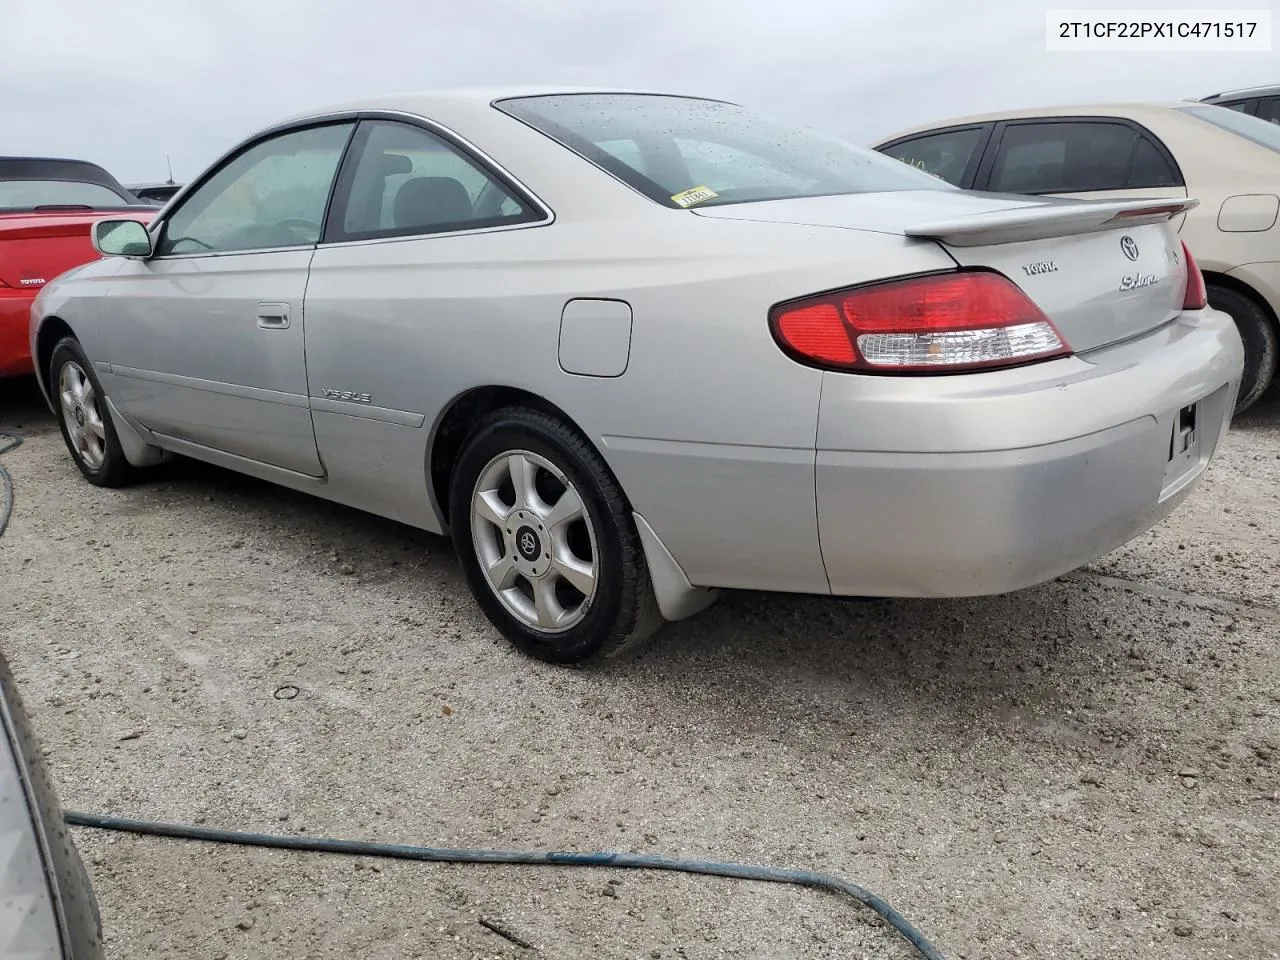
x,y
749,469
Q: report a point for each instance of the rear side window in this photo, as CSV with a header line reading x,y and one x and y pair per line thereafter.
x,y
683,151
1150,168
1063,157
945,155
407,181
1269,109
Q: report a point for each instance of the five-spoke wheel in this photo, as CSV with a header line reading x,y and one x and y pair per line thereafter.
x,y
533,537
80,412
547,539
83,417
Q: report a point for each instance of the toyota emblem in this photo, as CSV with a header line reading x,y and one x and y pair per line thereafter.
x,y
1129,247
528,544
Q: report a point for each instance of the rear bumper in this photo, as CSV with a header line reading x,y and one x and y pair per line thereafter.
x,y
15,318
977,485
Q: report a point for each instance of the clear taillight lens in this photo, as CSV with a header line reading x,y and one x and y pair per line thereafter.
x,y
943,323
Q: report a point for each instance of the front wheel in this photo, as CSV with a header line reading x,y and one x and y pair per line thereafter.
x,y
83,418
1261,350
546,540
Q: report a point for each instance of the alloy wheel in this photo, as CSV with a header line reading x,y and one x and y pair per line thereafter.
x,y
82,415
534,539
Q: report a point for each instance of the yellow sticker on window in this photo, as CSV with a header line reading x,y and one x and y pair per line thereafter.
x,y
688,198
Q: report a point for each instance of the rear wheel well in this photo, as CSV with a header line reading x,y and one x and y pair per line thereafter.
x,y
1239,286
1256,321
51,332
457,421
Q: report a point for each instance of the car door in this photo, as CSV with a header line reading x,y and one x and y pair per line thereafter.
x,y
952,154
208,334
421,268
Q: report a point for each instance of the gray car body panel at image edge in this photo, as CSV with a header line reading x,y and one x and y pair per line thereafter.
x,y
648,328
47,906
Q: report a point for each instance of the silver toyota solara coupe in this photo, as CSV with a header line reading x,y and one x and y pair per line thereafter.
x,y
627,349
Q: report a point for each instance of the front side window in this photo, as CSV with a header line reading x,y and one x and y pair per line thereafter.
x,y
408,181
1063,157
945,155
272,195
34,194
1253,129
681,151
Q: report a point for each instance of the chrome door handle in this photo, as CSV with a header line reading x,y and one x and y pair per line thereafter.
x,y
273,316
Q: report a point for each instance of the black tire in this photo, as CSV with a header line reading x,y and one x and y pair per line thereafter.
x,y
114,470
622,611
1258,331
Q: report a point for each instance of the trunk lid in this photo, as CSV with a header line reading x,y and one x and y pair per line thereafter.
x,y
35,247
1102,271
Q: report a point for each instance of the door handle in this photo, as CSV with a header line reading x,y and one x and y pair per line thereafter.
x,y
273,316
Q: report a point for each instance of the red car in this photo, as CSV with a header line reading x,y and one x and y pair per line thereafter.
x,y
47,208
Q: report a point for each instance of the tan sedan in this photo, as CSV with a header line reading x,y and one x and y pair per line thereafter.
x,y
1224,158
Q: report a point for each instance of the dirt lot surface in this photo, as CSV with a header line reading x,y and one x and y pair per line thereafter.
x,y
1087,769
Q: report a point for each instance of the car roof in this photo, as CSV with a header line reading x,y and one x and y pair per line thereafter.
x,y
433,103
1127,110
1244,93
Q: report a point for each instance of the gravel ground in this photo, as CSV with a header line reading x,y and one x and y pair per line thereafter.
x,y
1086,769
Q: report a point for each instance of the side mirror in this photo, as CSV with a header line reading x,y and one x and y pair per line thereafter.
x,y
122,238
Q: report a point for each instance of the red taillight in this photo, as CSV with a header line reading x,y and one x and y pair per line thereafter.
x,y
1196,298
944,322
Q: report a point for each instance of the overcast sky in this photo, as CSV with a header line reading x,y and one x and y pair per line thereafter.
x,y
127,83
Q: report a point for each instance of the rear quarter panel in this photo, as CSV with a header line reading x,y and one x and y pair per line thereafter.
x,y
710,429
1217,166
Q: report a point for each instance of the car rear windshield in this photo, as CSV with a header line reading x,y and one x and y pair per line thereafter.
x,y
1262,132
684,152
32,194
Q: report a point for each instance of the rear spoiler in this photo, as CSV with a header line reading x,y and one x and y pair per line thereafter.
x,y
1048,220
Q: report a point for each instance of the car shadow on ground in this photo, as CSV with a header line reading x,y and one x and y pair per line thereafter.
x,y
22,407
1263,414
